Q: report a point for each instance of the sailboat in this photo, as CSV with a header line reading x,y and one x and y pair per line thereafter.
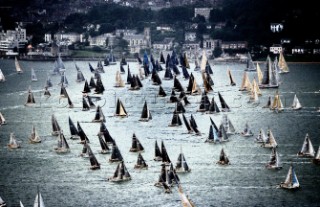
x,y
270,141
80,76
99,117
249,63
63,146
119,81
46,92
223,159
2,119
55,126
120,110
146,114
13,143
48,82
17,65
213,135
227,124
141,163
83,136
73,130
224,105
30,98
296,103
38,201
261,138
185,200
283,66
259,74
2,203
232,83
61,66
316,159
115,154
307,149
181,164
164,154
95,165
2,77
274,162
247,131
246,84
270,76
175,121
291,181
136,144
34,138
121,174
103,144
277,105
157,152
33,76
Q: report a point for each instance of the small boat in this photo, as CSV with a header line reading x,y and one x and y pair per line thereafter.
x,y
179,107
63,146
85,105
157,152
48,82
291,182
34,138
277,105
141,163
92,83
247,131
86,88
119,81
213,135
17,65
232,83
261,138
146,114
136,144
246,84
33,75
2,203
274,162
307,149
30,98
13,143
213,107
99,117
115,154
249,63
90,102
224,105
2,77
259,74
270,76
227,124
83,136
55,126
120,110
121,174
105,132
95,165
175,121
80,76
223,159
161,92
182,165
283,66
104,147
164,154
194,125
73,130
222,134
99,68
84,152
99,89
270,141
206,84
46,92
63,81
185,200
2,119
111,59
204,103
316,159
38,201
296,103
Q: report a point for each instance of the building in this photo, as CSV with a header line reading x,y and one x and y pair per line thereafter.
x,y
125,32
203,12
13,39
106,39
67,38
138,41
165,45
190,36
209,43
276,49
234,45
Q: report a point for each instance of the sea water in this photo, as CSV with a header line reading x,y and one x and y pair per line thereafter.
x,y
66,180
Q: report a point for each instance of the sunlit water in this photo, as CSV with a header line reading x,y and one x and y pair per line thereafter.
x,y
66,180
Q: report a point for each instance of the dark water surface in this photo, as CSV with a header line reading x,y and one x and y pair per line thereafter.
x,y
66,180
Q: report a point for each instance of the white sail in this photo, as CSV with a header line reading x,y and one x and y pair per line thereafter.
x,y
2,77
17,65
283,66
38,202
119,81
296,103
277,103
246,84
291,181
2,119
203,61
307,149
271,141
21,205
34,138
33,75
262,138
13,144
186,202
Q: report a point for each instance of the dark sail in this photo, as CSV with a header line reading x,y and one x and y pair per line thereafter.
x,y
73,129
86,88
92,84
204,103
157,152
115,154
165,156
161,93
99,117
185,72
186,123
99,87
104,147
85,105
176,121
179,107
141,163
177,85
93,160
213,108
83,136
162,60
136,145
224,105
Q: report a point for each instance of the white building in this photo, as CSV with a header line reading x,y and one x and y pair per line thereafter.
x,y
190,36
68,38
13,39
165,45
101,40
203,12
276,49
138,41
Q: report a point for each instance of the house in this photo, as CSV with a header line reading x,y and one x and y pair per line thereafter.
x,y
165,45
125,32
13,39
138,41
190,36
298,50
276,49
102,40
209,43
67,38
193,45
164,28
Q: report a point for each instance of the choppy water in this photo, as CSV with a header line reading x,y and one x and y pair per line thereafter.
x,y
66,180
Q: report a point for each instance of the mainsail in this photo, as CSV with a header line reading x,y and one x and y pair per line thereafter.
x,y
307,149
17,65
291,181
296,105
283,66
